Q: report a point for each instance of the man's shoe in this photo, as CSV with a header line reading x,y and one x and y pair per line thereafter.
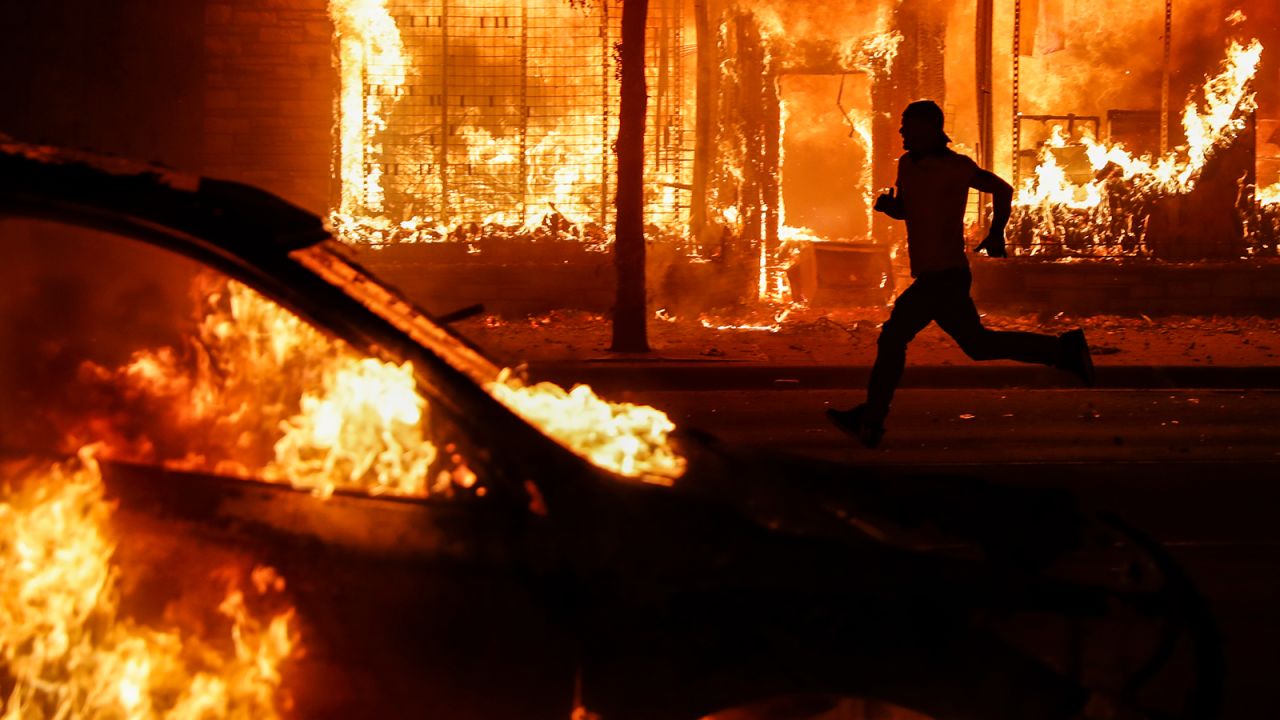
x,y
857,423
1075,356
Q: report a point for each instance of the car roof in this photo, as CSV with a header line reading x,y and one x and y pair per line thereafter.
x,y
234,217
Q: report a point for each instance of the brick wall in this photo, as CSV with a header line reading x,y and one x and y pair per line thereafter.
x,y
269,94
122,77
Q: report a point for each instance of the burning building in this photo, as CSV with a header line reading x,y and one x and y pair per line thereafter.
x,y
495,114
771,126
460,136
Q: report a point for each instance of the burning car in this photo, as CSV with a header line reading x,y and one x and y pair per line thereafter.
x,y
460,540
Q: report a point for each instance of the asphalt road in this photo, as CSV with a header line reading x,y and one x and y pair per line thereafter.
x,y
1198,469
1190,466
994,427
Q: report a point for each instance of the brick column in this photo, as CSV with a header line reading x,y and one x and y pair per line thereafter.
x,y
269,97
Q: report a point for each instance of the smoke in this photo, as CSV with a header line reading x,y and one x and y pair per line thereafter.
x,y
823,22
74,295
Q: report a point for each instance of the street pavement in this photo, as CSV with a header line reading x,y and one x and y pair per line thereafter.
x,y
1197,469
998,426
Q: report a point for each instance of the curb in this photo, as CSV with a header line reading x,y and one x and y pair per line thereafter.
x,y
659,375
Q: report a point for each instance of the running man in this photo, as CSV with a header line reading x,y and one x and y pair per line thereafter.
x,y
932,190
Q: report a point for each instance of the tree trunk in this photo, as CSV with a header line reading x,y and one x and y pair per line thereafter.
x,y
630,333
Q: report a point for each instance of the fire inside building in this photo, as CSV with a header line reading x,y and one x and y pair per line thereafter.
x,y
765,145
270,447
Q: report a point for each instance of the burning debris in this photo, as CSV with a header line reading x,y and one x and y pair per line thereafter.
x,y
68,647
1093,198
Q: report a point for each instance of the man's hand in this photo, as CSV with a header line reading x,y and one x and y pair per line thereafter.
x,y
993,245
889,204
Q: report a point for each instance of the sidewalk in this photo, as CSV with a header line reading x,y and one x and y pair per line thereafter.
x,y
828,349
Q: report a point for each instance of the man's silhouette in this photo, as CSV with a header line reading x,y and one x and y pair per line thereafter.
x,y
932,190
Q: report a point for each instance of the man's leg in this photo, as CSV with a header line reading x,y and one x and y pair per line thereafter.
x,y
912,311
958,317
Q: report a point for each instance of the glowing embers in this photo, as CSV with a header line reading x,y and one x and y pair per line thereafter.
x,y
630,440
255,392
549,225
1108,206
749,325
71,652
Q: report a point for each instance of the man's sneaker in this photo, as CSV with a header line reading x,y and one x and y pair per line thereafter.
x,y
1075,357
857,423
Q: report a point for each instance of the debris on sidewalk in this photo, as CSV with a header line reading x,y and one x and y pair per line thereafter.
x,y
848,337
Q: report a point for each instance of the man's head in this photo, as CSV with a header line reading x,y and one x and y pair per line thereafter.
x,y
921,129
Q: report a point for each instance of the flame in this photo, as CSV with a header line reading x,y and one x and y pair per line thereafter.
x,y
1269,195
1228,96
68,648
1209,125
257,392
534,146
369,49
874,53
769,327
630,440
362,429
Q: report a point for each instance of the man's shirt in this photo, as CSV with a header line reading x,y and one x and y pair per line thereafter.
x,y
934,189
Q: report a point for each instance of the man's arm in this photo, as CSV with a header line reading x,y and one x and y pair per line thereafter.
x,y
1002,206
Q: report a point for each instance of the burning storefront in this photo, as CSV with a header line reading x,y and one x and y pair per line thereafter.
x,y
770,127
462,118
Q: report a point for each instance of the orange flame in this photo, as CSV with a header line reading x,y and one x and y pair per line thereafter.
x,y
259,393
544,159
65,642
630,440
333,419
362,429
1210,126
369,46
1269,195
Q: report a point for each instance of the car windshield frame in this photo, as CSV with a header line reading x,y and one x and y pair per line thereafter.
x,y
332,262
